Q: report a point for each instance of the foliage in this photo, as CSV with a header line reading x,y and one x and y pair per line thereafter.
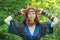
x,y
8,7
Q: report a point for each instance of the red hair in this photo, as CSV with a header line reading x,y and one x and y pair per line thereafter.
x,y
26,18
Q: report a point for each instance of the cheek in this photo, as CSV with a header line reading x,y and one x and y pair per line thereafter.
x,y
29,16
34,16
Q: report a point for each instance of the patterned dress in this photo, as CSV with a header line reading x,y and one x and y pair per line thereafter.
x,y
23,31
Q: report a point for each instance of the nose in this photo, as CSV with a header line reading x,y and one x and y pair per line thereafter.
x,y
31,15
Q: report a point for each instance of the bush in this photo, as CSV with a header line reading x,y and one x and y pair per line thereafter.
x,y
8,7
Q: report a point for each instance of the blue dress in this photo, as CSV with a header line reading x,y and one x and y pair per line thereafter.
x,y
23,31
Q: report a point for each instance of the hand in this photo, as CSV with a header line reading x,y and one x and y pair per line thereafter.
x,y
40,10
22,11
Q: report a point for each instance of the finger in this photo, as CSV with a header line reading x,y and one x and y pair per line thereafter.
x,y
40,10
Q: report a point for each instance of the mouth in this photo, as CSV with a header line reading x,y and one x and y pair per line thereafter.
x,y
31,19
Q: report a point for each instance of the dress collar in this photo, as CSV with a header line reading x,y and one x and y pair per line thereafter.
x,y
29,33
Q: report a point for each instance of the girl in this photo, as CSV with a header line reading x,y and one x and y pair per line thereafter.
x,y
31,28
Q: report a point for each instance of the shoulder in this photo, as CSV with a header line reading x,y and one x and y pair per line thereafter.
x,y
15,27
45,24
45,28
16,24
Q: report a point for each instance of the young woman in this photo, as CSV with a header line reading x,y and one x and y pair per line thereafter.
x,y
31,28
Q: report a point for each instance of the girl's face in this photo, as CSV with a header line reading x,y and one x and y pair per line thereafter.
x,y
31,15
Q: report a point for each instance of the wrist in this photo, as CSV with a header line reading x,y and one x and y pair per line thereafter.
x,y
47,15
16,13
43,13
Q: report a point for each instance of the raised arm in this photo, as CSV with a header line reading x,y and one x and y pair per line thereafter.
x,y
52,18
10,17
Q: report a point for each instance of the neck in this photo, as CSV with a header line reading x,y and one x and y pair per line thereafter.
x,y
30,23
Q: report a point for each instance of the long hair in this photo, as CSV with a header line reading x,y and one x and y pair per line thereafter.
x,y
36,20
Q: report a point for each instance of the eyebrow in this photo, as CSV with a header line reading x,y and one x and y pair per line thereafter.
x,y
31,11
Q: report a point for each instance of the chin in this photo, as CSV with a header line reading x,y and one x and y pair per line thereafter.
x,y
31,19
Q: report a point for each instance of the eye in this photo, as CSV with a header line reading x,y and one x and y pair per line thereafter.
x,y
31,13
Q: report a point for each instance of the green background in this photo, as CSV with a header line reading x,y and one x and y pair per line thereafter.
x,y
8,7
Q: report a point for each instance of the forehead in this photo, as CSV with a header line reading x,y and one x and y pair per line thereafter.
x,y
31,12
